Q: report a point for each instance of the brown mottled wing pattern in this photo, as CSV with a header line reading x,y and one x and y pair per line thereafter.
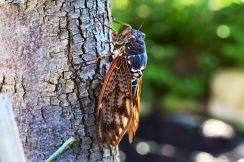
x,y
136,108
115,104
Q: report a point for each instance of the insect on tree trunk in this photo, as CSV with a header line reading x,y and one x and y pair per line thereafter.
x,y
42,47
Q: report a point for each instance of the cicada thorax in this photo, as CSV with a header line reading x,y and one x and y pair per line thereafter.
x,y
135,52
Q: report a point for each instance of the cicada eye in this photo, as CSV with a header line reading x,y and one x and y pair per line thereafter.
x,y
143,35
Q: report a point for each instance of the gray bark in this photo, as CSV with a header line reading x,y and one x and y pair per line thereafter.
x,y
42,45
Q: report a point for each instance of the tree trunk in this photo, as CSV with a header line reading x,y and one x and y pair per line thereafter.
x,y
42,46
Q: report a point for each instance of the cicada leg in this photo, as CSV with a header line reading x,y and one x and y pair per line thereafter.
x,y
100,57
127,30
115,34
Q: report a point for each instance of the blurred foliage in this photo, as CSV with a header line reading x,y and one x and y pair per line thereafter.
x,y
187,41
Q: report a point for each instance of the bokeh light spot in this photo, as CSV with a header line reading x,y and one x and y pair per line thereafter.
x,y
158,1
118,4
168,150
188,2
217,128
204,157
223,31
122,156
143,11
240,149
142,148
214,5
241,160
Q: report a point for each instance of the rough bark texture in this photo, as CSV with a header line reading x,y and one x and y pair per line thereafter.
x,y
42,44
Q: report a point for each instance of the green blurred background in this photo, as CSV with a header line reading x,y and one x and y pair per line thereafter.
x,y
188,43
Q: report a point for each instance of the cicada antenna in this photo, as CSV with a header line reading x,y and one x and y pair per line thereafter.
x,y
141,26
128,27
115,33
105,25
121,23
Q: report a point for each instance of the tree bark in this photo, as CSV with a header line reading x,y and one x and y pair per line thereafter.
x,y
42,47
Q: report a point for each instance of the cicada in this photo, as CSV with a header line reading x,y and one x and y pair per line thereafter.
x,y
119,100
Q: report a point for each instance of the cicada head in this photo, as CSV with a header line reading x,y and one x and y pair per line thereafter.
x,y
130,35
137,35
136,43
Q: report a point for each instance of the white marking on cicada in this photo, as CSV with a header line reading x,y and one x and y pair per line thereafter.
x,y
142,68
133,79
137,72
116,53
136,75
134,70
129,62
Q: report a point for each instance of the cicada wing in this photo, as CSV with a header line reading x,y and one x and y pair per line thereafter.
x,y
114,113
136,108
